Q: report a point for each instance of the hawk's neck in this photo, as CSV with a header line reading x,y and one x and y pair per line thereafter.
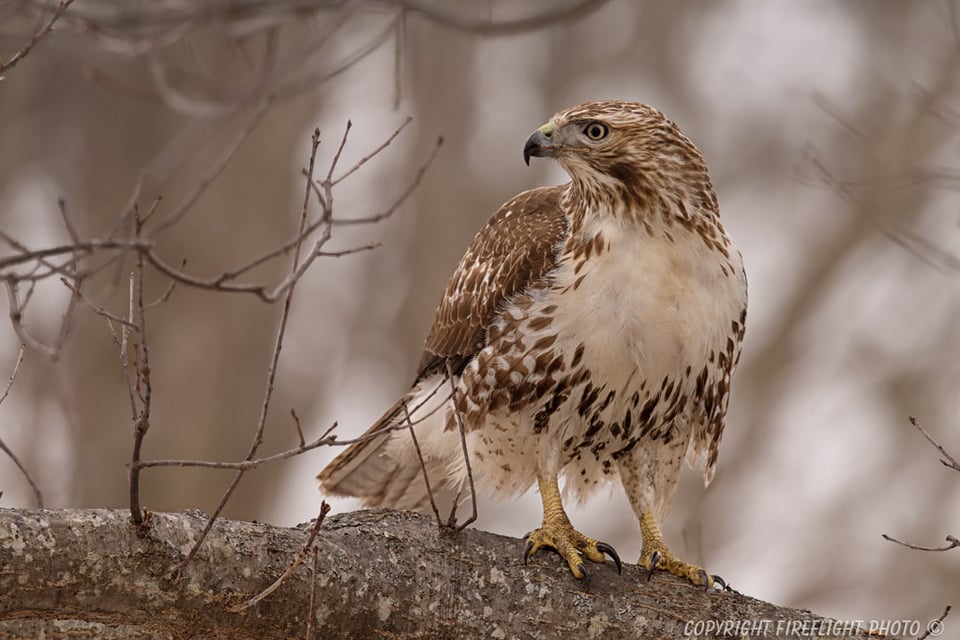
x,y
603,208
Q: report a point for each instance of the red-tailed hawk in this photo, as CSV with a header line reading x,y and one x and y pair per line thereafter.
x,y
592,329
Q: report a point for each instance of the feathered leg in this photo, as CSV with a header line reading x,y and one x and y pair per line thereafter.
x,y
649,475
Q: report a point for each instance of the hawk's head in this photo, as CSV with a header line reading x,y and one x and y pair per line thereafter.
x,y
628,151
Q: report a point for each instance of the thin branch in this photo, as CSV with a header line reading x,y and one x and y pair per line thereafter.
x,y
466,458
43,31
275,359
296,422
953,544
324,510
226,276
311,607
13,375
125,349
421,171
16,320
139,428
935,626
33,485
214,172
339,151
66,323
423,464
949,460
84,248
3,446
365,159
348,252
67,222
245,465
98,309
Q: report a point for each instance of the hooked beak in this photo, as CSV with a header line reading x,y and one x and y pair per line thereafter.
x,y
540,144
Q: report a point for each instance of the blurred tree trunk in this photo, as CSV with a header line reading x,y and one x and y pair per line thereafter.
x,y
378,574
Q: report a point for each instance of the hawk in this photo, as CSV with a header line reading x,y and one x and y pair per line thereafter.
x,y
591,330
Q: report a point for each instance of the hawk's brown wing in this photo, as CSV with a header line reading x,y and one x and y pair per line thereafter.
x,y
517,248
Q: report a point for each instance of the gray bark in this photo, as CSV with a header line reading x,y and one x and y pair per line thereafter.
x,y
381,574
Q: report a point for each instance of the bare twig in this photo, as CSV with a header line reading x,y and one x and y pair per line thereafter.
x,y
16,320
324,510
403,196
948,461
244,465
141,417
278,346
13,375
98,308
935,626
423,465
337,154
82,249
3,446
953,544
349,252
314,570
67,222
365,159
466,458
296,422
43,31
184,207
33,485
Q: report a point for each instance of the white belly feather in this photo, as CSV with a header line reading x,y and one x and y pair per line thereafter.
x,y
650,308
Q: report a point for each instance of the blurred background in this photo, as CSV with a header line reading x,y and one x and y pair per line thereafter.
x,y
831,133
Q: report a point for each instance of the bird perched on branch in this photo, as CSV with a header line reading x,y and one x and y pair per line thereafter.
x,y
590,330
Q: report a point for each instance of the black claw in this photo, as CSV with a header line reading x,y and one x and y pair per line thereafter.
x,y
526,551
654,559
706,580
583,568
720,581
603,547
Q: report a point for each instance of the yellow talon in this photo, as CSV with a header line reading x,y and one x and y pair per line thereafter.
x,y
557,533
656,556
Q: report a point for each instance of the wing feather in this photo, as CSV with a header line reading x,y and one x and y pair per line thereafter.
x,y
516,249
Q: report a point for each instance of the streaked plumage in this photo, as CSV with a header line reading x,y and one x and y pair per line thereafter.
x,y
592,327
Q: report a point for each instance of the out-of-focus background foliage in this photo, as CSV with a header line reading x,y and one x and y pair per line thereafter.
x,y
831,133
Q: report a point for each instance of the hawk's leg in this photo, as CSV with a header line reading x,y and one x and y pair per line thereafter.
x,y
557,533
656,556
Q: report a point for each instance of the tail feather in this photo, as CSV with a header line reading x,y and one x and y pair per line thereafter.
x,y
371,469
362,468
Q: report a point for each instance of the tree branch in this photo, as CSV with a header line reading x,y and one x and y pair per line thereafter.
x,y
43,31
381,574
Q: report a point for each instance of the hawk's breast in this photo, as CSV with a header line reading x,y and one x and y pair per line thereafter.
x,y
613,352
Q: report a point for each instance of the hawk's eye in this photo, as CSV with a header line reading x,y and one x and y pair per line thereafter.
x,y
596,131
